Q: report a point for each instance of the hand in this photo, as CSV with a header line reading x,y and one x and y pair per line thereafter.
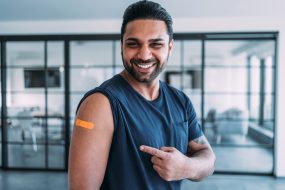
x,y
168,162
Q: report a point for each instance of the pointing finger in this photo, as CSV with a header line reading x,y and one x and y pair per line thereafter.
x,y
153,151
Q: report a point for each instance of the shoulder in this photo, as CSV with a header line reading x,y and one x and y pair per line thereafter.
x,y
96,104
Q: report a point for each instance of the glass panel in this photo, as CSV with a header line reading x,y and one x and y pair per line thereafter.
x,y
118,59
269,75
84,79
175,57
232,104
55,105
192,53
232,80
56,157
254,106
56,130
71,123
29,101
55,51
25,156
196,99
118,70
26,129
268,107
172,76
255,75
245,159
88,53
74,101
25,54
224,102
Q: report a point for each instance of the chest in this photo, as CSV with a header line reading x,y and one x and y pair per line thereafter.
x,y
155,125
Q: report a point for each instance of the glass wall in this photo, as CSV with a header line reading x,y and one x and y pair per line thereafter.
x,y
230,81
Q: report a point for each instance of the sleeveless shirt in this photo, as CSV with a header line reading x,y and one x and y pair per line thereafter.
x,y
169,120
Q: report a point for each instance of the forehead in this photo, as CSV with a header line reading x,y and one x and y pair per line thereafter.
x,y
146,29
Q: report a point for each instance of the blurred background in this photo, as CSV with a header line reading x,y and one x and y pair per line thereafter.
x,y
227,58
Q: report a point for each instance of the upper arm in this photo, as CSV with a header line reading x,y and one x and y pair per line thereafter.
x,y
89,148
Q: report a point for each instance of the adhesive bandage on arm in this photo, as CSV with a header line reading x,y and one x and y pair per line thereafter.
x,y
84,124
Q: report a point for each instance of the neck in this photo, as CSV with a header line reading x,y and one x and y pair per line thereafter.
x,y
149,91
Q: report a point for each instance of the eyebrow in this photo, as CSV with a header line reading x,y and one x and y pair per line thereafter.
x,y
151,40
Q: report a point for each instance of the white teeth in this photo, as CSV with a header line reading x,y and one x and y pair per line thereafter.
x,y
144,66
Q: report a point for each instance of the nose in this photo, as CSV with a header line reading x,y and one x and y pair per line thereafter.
x,y
144,53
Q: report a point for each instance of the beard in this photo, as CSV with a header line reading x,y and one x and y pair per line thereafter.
x,y
144,77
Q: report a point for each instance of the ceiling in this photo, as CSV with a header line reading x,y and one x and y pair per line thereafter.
x,y
19,10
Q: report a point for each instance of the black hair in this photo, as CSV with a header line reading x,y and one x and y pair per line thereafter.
x,y
146,10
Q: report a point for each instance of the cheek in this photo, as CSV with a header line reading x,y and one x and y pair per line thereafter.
x,y
127,55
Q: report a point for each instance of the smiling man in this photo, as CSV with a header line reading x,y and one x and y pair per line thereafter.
x,y
135,131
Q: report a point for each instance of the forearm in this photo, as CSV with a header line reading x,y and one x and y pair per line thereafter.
x,y
200,165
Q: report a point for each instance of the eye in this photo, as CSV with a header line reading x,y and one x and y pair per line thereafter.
x,y
132,44
156,45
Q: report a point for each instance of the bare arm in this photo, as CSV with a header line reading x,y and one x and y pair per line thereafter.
x,y
171,164
89,149
201,162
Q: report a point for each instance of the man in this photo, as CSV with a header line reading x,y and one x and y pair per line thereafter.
x,y
134,131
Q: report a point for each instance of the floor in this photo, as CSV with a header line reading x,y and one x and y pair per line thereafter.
x,y
15,180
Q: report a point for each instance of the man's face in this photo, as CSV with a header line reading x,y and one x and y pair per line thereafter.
x,y
145,49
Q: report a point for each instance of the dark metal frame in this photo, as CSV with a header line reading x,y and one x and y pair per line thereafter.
x,y
255,35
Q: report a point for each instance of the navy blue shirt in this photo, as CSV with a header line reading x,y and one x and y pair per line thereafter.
x,y
169,120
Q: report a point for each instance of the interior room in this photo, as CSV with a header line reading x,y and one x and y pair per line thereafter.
x,y
227,59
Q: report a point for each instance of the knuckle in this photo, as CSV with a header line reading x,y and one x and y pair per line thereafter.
x,y
167,177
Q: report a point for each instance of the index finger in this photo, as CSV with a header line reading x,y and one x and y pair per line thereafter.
x,y
153,151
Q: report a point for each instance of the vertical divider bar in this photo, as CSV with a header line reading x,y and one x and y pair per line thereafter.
x,y
46,105
4,106
203,84
67,98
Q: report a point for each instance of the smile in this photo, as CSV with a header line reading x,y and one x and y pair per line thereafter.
x,y
144,66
